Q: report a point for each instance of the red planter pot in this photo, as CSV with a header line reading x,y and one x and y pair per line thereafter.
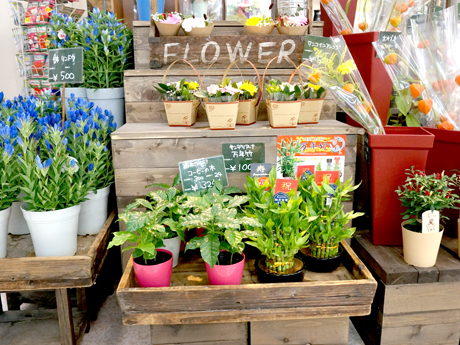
x,y
372,71
154,275
390,155
226,274
445,156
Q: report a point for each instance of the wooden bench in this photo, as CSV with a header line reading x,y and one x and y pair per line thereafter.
x,y
413,305
22,271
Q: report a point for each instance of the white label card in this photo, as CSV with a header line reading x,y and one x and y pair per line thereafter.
x,y
430,221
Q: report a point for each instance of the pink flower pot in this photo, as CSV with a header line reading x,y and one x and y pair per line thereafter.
x,y
158,275
226,274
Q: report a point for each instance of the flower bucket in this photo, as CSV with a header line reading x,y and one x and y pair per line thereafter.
x,y
226,274
110,99
54,233
4,216
17,225
445,156
390,155
283,114
419,249
204,32
94,212
156,275
247,112
173,245
310,111
292,30
168,29
259,30
79,92
222,115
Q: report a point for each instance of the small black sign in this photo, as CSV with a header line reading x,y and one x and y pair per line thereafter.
x,y
66,65
238,157
199,174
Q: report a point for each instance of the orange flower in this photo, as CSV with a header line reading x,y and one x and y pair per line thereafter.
x,y
402,7
368,105
391,59
315,77
416,90
363,108
348,88
346,32
363,26
395,21
437,85
424,44
457,79
446,125
412,3
447,117
326,1
425,105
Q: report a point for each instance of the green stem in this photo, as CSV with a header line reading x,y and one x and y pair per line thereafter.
x,y
389,18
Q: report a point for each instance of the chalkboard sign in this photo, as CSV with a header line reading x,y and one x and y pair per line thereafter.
x,y
238,157
199,174
66,65
325,44
388,37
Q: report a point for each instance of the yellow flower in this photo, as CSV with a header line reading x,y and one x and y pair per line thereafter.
x,y
249,87
314,86
253,21
347,67
193,85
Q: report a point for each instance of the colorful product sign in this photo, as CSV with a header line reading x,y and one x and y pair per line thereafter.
x,y
320,152
282,187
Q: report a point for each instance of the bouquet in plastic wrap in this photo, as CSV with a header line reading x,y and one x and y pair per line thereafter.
x,y
416,97
330,65
338,16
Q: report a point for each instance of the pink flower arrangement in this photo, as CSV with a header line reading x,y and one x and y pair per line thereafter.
x,y
172,18
298,20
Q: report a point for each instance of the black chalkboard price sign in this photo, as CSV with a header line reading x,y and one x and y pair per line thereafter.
x,y
66,65
199,174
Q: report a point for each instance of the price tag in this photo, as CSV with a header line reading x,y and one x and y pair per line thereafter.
x,y
430,221
199,174
66,65
238,157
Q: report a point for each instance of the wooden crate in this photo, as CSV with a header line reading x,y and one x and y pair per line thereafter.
x,y
315,311
146,153
413,305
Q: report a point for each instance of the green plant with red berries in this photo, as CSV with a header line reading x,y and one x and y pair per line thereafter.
x,y
423,192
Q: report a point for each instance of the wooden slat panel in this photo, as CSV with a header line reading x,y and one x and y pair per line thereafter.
x,y
421,319
141,46
422,335
221,334
425,274
333,331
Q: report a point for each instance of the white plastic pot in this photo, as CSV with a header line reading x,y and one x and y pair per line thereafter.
x,y
79,92
110,99
173,245
17,225
93,213
419,249
54,233
4,216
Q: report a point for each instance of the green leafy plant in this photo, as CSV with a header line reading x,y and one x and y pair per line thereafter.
x,y
407,113
284,229
9,165
325,202
287,152
220,217
423,192
279,91
312,91
178,91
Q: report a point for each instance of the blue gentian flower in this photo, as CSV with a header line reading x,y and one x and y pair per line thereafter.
x,y
9,150
39,162
91,166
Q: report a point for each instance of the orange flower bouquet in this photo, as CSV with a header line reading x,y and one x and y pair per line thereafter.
x,y
338,16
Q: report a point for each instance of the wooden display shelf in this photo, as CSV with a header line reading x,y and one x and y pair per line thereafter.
x,y
413,305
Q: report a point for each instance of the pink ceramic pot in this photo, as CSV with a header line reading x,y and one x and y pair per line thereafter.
x,y
226,274
154,275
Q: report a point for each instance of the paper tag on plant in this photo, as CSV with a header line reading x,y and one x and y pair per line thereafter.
x,y
305,171
430,221
330,176
282,187
260,169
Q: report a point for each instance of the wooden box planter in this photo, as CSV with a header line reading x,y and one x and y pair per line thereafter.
x,y
265,309
413,305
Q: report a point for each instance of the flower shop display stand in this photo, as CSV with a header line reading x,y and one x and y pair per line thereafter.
x,y
21,271
413,305
190,311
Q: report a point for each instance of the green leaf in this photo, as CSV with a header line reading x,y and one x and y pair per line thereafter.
x,y
233,237
121,237
209,249
194,243
177,180
403,105
411,121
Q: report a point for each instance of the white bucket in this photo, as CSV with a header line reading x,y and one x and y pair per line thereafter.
x,y
173,245
54,233
4,215
79,92
110,99
17,225
93,213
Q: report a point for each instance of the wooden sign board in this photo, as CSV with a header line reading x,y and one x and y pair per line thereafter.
x,y
203,51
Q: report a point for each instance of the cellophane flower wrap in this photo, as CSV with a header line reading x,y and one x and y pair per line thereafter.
x,y
435,50
334,69
338,17
416,97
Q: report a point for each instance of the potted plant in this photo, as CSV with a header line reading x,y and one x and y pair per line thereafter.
x,y
283,104
88,133
287,152
197,26
181,105
258,25
221,245
312,103
283,232
168,24
108,51
248,106
221,105
296,24
53,191
419,194
152,264
9,179
325,201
